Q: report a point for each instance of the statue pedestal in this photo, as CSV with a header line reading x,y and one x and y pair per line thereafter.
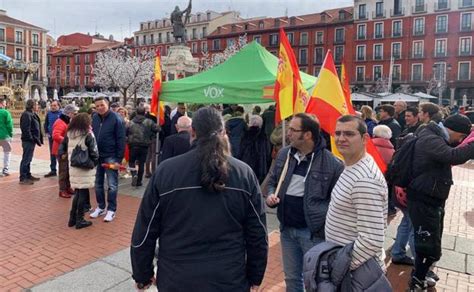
x,y
179,62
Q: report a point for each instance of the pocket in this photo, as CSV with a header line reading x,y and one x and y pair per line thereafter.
x,y
318,186
441,188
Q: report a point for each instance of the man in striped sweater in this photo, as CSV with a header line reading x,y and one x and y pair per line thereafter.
x,y
358,208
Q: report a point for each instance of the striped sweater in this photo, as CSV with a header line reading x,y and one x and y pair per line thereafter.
x,y
358,211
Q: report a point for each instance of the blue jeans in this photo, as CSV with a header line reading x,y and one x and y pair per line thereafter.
x,y
28,150
294,244
52,165
112,179
404,235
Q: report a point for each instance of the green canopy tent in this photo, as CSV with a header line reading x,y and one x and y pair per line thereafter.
x,y
245,78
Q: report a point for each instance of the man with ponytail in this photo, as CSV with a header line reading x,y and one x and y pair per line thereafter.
x,y
207,210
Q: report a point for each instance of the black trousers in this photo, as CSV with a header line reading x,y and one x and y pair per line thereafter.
x,y
138,154
427,223
81,198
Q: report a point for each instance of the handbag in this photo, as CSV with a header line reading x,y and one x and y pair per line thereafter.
x,y
80,157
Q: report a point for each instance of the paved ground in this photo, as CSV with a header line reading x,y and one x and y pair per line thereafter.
x,y
39,252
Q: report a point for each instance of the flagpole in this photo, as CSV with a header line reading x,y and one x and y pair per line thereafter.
x,y
157,148
283,134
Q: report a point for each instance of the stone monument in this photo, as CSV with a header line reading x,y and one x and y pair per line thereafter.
x,y
180,62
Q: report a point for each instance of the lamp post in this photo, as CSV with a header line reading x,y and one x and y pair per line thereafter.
x,y
442,83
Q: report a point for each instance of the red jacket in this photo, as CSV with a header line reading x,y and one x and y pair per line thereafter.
x,y
59,132
385,148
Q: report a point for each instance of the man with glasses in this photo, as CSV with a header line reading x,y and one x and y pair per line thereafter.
x,y
358,209
300,185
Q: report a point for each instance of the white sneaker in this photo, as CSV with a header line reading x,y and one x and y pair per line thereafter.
x,y
109,217
97,212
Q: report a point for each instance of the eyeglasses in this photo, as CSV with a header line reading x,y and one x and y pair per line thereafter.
x,y
348,134
290,129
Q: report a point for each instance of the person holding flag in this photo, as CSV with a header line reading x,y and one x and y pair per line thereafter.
x,y
157,110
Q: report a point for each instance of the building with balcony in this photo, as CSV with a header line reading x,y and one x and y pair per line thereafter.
x,y
311,36
427,41
158,34
25,43
71,62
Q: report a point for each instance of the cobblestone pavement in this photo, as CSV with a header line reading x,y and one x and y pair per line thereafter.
x,y
39,251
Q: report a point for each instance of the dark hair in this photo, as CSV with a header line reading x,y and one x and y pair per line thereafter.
x,y
80,123
30,104
141,110
309,124
430,108
257,109
56,101
361,125
101,98
412,110
212,148
390,109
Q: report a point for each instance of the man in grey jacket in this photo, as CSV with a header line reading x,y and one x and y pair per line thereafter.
x,y
300,186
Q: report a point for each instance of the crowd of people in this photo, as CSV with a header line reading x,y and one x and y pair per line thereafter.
x,y
218,168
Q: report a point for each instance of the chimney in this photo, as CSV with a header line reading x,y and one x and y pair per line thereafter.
x,y
3,12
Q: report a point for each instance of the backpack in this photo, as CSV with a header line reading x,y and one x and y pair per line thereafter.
x,y
400,169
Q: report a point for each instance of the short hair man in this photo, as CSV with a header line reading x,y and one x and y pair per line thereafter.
x,y
428,191
387,113
109,132
300,185
400,108
180,142
358,208
427,112
6,135
412,121
51,116
31,135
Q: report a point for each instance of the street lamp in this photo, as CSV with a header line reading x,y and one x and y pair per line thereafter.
x,y
442,83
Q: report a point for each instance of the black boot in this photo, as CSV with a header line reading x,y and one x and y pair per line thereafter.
x,y
80,221
416,285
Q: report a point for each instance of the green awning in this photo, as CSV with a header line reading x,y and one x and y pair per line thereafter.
x,y
245,78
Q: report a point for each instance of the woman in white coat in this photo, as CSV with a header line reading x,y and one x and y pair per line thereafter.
x,y
82,179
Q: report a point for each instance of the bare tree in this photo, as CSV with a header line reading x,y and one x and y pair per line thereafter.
x,y
216,59
431,84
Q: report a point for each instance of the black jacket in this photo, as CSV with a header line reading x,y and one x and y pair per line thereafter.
x,y
394,126
207,241
235,128
432,162
141,131
175,145
254,150
109,131
30,125
323,175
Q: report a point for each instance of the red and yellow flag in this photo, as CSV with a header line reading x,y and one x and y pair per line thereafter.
x,y
346,89
155,94
289,94
328,102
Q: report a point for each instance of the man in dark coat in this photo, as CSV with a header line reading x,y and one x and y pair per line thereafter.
x,y
30,125
51,116
180,111
235,128
429,189
180,142
387,113
400,109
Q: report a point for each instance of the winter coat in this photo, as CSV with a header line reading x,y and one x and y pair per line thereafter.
x,y
235,128
385,148
175,145
370,126
59,132
208,241
367,277
30,125
81,178
394,126
140,131
6,124
254,151
323,174
401,120
432,160
109,132
49,121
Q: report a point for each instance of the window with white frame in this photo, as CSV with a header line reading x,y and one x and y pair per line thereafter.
x,y
273,40
464,72
304,39
77,70
465,46
2,50
35,56
204,46
303,56
441,24
77,81
87,58
397,72
339,35
291,37
378,51
417,72
418,49
18,37
2,34
318,56
378,30
439,71
377,72
194,48
316,71
258,39
396,28
230,42
360,73
466,21
440,47
319,37
361,31
87,80
396,50
18,54
419,26
35,39
338,53
361,53
216,44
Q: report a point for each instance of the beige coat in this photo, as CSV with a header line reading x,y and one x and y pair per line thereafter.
x,y
80,178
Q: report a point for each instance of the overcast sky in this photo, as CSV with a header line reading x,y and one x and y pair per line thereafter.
x,y
122,17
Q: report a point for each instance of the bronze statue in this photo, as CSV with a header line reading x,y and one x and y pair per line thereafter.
x,y
178,24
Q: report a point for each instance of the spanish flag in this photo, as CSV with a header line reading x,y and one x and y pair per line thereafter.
x,y
155,95
289,93
328,102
